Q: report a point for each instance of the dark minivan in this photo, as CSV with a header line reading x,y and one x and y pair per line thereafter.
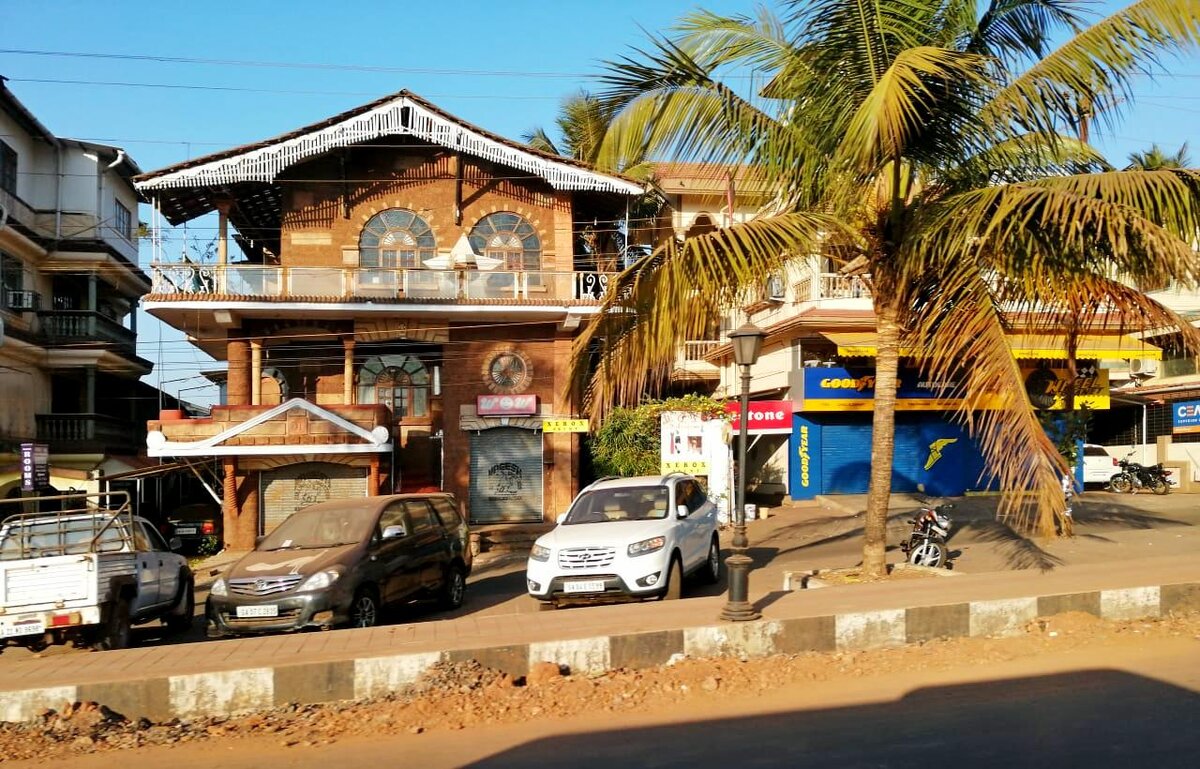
x,y
338,563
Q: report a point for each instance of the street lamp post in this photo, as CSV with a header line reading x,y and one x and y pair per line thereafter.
x,y
747,343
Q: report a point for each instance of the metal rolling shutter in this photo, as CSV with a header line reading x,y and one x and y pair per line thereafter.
x,y
506,476
288,489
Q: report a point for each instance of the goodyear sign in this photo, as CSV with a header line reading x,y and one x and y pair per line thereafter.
x,y
846,389
804,464
565,425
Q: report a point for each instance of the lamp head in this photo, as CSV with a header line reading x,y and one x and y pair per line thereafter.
x,y
747,341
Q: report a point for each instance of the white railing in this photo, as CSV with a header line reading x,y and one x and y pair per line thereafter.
x,y
830,285
698,350
252,281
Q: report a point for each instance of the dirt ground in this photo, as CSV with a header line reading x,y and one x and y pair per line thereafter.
x,y
467,695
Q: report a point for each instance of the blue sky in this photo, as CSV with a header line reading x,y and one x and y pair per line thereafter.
x,y
441,51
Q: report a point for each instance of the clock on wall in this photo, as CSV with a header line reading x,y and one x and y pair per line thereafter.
x,y
507,371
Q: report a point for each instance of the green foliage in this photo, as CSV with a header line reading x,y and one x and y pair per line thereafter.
x,y
1067,430
208,546
628,442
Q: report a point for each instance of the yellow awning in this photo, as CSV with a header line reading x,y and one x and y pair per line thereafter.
x,y
861,344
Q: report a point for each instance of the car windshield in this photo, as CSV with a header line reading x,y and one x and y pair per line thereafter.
x,y
319,528
635,503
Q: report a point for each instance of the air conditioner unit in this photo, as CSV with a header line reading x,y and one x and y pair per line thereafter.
x,y
776,291
1143,366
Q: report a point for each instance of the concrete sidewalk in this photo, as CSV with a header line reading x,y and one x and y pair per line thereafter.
x,y
225,677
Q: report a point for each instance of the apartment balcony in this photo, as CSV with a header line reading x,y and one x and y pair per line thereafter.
x,y
75,326
20,301
690,365
87,433
849,290
190,282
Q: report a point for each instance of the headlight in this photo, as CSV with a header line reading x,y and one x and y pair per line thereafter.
x,y
321,580
539,553
647,546
218,588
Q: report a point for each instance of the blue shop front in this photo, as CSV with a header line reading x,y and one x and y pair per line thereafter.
x,y
830,443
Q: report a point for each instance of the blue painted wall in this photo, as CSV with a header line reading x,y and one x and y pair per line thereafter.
x,y
932,453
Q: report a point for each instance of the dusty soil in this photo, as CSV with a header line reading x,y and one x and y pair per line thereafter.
x,y
855,576
467,695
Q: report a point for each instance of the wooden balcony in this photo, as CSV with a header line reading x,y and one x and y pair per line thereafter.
x,y
691,363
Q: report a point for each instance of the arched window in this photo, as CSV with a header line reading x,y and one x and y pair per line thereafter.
x,y
400,382
396,238
701,225
509,238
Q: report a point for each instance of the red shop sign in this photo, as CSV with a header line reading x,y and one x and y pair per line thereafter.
x,y
766,417
506,405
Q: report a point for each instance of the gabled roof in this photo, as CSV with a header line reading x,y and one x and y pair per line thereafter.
x,y
360,440
403,114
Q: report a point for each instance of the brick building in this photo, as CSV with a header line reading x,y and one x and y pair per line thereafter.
x,y
402,318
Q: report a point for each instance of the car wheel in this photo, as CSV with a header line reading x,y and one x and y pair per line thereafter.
x,y
180,618
674,589
454,590
116,630
364,610
711,571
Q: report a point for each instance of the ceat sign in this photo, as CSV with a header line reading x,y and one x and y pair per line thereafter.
x,y
766,417
506,405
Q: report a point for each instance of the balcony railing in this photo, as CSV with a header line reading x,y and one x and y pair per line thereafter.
x,y
84,326
696,351
830,285
252,281
85,432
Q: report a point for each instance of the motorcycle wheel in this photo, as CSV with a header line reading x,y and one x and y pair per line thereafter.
x,y
928,553
1121,483
1160,486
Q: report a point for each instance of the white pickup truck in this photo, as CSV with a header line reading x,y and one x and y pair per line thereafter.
x,y
86,572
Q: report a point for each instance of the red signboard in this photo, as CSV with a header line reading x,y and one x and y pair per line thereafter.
x,y
506,405
766,417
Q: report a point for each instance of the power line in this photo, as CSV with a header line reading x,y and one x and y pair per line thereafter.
x,y
243,89
292,65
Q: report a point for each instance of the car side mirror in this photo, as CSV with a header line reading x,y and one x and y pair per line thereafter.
x,y
175,543
561,517
681,511
394,532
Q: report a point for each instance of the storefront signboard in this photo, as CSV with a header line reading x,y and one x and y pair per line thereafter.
x,y
506,405
1185,417
766,417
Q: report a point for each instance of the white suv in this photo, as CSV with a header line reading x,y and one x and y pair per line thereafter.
x,y
628,538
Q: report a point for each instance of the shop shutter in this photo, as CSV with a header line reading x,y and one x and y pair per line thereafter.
x,y
506,476
288,489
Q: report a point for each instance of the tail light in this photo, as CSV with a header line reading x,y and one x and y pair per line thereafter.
x,y
208,528
1167,472
1115,462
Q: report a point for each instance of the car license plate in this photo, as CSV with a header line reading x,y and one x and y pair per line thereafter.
x,y
270,610
584,586
28,627
185,529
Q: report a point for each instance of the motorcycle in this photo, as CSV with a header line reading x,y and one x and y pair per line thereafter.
x,y
1134,476
926,544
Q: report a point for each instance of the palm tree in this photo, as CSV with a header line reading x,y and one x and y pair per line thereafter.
x,y
927,143
1155,159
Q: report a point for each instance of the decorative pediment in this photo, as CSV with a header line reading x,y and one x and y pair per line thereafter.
x,y
295,426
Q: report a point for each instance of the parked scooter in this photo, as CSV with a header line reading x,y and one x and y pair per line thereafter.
x,y
926,544
1134,476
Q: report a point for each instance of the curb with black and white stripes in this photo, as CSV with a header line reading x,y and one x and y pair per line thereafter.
x,y
254,689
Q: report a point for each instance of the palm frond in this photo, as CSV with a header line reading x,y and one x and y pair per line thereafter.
x,y
540,140
1093,72
760,42
675,295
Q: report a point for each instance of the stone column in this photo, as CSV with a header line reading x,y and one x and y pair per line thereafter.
x,y
89,390
373,480
238,383
93,300
248,514
256,372
348,372
223,205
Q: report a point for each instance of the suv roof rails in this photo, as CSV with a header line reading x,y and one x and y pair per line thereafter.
x,y
605,478
675,472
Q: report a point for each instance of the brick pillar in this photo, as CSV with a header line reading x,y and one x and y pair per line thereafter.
x,y
238,383
348,376
247,528
229,505
256,372
373,479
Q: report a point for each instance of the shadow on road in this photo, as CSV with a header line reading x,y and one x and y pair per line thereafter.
x,y
1094,719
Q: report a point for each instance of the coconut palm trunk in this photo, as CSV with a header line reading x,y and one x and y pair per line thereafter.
x,y
883,438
